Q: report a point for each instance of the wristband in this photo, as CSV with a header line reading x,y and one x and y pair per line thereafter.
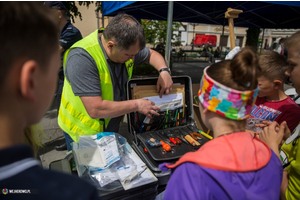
x,y
164,69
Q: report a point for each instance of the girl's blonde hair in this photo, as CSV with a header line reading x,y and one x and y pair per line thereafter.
x,y
34,136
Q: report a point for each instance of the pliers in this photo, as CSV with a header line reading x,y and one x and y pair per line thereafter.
x,y
196,136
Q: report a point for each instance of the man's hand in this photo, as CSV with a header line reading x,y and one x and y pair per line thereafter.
x,y
164,83
147,107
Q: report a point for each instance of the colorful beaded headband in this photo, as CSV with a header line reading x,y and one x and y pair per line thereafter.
x,y
230,103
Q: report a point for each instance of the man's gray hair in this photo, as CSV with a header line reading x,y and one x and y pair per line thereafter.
x,y
125,31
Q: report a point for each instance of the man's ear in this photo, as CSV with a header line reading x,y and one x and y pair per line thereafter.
x,y
28,82
277,84
110,45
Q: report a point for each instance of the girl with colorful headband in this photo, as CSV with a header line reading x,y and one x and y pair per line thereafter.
x,y
234,165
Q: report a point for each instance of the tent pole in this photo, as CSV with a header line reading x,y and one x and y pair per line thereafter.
x,y
102,21
169,32
231,33
231,14
222,36
262,40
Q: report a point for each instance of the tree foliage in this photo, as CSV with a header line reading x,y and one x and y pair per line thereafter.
x,y
252,38
156,31
73,10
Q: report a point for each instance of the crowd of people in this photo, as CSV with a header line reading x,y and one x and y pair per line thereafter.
x,y
239,163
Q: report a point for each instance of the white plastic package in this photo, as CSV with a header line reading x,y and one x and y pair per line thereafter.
x,y
232,53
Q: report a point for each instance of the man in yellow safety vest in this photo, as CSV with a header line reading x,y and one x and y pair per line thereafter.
x,y
96,70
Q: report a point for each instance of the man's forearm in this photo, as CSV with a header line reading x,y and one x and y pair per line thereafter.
x,y
110,109
156,60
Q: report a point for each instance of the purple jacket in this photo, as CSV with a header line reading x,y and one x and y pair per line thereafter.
x,y
234,166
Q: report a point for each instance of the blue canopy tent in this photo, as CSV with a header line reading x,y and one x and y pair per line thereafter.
x,y
256,14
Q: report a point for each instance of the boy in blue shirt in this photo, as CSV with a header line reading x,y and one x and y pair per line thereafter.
x,y
29,62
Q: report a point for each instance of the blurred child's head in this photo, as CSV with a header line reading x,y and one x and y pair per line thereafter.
x,y
29,59
292,44
273,76
228,89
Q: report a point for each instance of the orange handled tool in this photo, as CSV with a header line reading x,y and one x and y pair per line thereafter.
x,y
165,146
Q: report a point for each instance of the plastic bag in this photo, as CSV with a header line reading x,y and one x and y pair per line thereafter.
x,y
109,179
118,164
232,53
112,146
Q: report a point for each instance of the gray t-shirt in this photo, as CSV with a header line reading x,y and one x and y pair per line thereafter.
x,y
82,72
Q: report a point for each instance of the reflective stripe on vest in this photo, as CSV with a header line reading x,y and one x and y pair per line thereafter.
x,y
73,117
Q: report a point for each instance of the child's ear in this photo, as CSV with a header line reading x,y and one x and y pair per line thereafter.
x,y
205,110
28,82
277,84
59,14
202,109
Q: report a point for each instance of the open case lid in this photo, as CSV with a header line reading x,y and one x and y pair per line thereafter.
x,y
177,80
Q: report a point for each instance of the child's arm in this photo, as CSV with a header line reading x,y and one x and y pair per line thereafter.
x,y
284,185
273,135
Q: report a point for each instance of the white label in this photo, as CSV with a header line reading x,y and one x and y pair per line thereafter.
x,y
91,156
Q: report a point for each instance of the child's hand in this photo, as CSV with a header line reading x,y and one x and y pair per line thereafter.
x,y
263,124
287,131
273,134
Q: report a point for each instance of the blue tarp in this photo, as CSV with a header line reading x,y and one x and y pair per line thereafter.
x,y
286,3
256,14
111,6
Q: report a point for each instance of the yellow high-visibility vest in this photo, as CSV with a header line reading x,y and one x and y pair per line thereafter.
x,y
73,117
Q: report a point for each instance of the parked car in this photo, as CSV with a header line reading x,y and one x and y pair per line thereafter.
x,y
201,40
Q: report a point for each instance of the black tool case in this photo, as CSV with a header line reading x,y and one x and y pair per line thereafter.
x,y
176,127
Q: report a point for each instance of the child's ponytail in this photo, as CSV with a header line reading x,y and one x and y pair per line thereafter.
x,y
245,69
240,73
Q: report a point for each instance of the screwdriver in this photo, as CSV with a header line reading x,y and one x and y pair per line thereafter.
x,y
191,140
177,140
165,146
167,140
172,140
170,143
184,140
206,135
